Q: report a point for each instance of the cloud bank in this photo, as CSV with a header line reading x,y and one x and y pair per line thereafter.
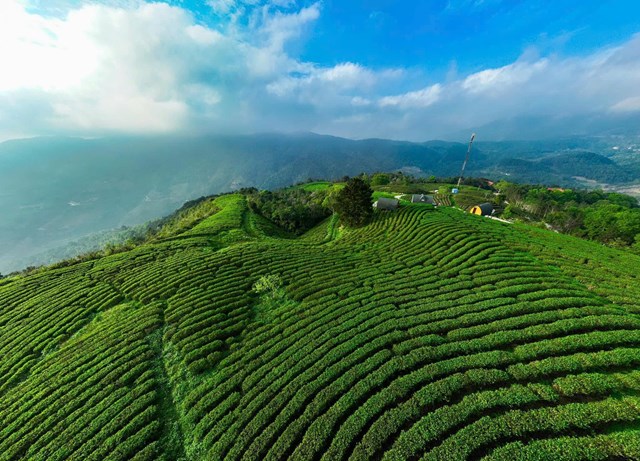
x,y
145,68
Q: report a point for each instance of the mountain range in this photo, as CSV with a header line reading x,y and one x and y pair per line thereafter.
x,y
54,191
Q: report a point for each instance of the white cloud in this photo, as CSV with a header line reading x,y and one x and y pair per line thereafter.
x,y
320,81
503,78
281,27
203,35
420,98
140,68
130,66
627,105
133,113
348,75
222,6
41,53
283,3
360,101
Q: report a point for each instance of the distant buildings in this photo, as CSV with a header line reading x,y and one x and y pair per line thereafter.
x,y
421,198
388,204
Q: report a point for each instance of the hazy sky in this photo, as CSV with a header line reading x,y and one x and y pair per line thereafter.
x,y
378,68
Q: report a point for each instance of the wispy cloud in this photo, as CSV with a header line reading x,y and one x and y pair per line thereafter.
x,y
627,105
420,98
471,5
502,79
223,6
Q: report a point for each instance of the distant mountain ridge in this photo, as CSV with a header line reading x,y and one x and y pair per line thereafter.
x,y
56,190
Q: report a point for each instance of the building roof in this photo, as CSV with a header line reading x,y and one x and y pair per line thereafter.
x,y
384,203
486,208
421,198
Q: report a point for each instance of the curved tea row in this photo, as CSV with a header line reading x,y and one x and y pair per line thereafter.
x,y
427,334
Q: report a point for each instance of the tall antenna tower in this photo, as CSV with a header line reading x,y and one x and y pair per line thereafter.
x,y
466,159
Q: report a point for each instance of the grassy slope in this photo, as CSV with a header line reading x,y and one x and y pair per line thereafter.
x,y
427,334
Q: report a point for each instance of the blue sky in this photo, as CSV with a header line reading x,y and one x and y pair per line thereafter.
x,y
468,35
377,68
472,34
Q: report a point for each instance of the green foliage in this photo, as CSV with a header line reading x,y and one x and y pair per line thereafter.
x,y
315,186
609,218
270,286
353,203
377,194
274,301
190,214
612,223
380,179
295,210
422,334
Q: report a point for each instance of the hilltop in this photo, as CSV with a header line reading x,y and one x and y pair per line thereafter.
x,y
429,333
56,191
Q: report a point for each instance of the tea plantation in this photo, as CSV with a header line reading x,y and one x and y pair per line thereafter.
x,y
429,334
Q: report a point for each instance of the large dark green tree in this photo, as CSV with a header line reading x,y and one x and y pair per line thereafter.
x,y
353,203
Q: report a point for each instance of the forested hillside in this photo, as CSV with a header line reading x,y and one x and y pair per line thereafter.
x,y
428,333
61,196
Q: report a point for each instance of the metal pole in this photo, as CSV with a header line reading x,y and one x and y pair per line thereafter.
x,y
466,159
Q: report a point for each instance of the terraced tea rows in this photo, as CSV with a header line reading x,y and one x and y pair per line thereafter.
x,y
428,334
97,397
